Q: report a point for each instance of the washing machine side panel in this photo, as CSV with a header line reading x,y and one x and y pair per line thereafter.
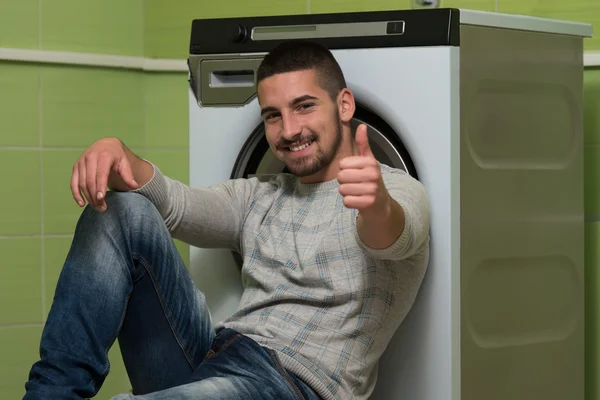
x,y
416,91
217,136
522,202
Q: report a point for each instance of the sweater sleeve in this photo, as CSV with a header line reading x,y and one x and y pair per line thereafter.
x,y
209,217
412,197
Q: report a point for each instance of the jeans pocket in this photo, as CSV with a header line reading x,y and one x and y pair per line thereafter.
x,y
216,348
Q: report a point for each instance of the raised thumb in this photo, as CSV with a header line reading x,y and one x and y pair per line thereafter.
x,y
362,141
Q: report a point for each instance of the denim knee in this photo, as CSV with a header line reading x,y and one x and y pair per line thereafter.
x,y
122,209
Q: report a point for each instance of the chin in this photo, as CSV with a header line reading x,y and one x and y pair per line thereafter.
x,y
303,168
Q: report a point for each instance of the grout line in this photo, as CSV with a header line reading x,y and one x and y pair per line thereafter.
x,y
32,325
497,6
308,6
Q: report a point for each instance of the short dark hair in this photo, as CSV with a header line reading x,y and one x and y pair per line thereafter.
x,y
300,55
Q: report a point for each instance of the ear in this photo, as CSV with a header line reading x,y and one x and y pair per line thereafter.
x,y
346,105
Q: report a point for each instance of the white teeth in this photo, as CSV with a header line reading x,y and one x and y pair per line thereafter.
x,y
298,148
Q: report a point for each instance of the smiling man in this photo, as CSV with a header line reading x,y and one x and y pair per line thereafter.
x,y
334,255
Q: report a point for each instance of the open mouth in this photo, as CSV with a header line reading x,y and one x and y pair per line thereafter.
x,y
295,147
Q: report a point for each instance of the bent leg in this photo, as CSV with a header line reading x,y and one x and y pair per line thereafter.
x,y
122,277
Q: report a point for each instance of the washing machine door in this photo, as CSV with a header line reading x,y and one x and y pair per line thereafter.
x,y
256,158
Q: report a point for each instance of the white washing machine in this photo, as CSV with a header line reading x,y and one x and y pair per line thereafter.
x,y
486,110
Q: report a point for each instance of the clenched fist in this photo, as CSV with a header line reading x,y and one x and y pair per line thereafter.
x,y
361,183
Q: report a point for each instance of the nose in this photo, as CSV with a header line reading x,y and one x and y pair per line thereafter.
x,y
291,126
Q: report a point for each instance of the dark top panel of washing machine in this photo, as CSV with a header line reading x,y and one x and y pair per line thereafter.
x,y
401,28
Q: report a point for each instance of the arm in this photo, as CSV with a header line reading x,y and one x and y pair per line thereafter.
x,y
203,217
211,217
400,228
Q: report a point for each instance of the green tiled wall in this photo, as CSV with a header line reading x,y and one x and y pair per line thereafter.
x,y
50,114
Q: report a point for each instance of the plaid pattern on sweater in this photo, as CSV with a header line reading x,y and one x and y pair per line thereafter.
x,y
313,291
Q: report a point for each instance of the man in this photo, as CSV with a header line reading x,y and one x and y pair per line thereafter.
x,y
334,254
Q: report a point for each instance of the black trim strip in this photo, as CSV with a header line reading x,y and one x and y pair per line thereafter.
x,y
428,27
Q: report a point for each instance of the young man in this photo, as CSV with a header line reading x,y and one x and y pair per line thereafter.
x,y
334,254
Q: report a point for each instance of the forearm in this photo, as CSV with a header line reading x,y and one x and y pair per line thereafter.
x,y
382,228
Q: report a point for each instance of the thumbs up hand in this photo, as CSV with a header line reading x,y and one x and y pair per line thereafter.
x,y
361,183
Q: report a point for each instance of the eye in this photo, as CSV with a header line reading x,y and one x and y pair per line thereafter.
x,y
305,106
271,117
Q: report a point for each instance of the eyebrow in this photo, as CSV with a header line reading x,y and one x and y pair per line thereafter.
x,y
295,101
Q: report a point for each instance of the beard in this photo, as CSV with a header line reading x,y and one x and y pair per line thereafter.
x,y
321,158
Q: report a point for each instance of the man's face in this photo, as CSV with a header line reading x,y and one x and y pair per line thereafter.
x,y
302,123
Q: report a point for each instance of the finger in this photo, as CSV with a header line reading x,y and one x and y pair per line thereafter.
x,y
75,186
91,166
358,189
82,182
362,141
126,173
358,162
102,172
359,202
358,176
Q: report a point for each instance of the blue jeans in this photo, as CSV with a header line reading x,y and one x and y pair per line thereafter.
x,y
124,279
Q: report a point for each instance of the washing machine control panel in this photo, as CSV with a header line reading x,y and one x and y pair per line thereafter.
x,y
401,28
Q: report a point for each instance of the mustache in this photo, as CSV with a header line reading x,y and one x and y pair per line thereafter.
x,y
282,142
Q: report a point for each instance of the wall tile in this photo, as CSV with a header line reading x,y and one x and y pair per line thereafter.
x,y
108,27
592,181
167,29
172,163
20,349
592,309
19,111
20,211
81,105
60,210
587,11
19,23
166,110
20,285
480,5
336,6
592,106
